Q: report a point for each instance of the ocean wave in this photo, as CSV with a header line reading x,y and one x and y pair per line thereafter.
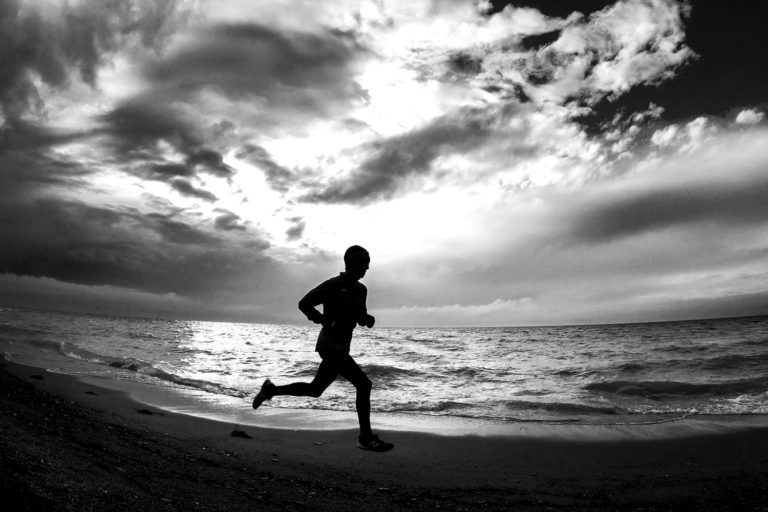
x,y
146,368
15,332
756,342
387,372
562,407
424,406
142,335
665,389
480,410
411,337
733,362
74,352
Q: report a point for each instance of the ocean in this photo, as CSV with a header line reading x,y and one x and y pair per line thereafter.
x,y
628,373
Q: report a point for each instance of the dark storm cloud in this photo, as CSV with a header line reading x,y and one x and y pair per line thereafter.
x,y
394,160
211,162
185,188
278,177
139,123
69,241
177,232
20,134
229,221
738,204
136,127
92,245
165,171
23,172
302,70
49,43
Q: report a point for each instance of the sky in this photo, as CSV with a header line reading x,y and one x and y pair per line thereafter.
x,y
505,163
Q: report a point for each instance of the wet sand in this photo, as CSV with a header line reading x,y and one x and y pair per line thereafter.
x,y
66,444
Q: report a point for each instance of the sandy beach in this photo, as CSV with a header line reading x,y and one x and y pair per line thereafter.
x,y
69,445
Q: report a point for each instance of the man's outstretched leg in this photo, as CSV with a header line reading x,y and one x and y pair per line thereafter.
x,y
325,376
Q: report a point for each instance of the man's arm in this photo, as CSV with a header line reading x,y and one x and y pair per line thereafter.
x,y
316,296
365,320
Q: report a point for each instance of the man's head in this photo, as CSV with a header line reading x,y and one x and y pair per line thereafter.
x,y
356,261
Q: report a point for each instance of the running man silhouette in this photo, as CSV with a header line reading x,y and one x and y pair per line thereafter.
x,y
343,299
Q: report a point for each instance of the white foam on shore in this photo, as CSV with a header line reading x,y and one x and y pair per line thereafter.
x,y
238,412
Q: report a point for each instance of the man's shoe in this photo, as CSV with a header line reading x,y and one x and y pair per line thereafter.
x,y
264,394
373,444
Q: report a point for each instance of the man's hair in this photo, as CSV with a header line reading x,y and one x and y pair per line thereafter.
x,y
355,255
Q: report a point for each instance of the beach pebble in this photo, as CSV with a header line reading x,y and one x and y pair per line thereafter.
x,y
240,433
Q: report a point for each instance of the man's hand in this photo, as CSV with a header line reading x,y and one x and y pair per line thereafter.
x,y
367,321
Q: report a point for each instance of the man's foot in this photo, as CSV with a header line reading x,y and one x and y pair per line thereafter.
x,y
372,443
264,394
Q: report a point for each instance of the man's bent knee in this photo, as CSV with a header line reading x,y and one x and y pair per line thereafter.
x,y
364,386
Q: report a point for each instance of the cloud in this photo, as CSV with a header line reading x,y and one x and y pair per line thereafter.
x,y
50,45
519,56
665,136
229,221
749,116
185,188
137,125
174,231
723,204
278,177
302,72
296,231
456,314
390,162
96,245
607,53
47,293
215,88
211,162
24,173
155,142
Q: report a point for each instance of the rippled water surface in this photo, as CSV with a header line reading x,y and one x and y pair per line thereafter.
x,y
571,373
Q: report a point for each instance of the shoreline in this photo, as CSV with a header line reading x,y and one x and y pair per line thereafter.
x,y
197,403
67,444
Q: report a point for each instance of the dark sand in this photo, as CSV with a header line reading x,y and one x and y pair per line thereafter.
x,y
68,445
